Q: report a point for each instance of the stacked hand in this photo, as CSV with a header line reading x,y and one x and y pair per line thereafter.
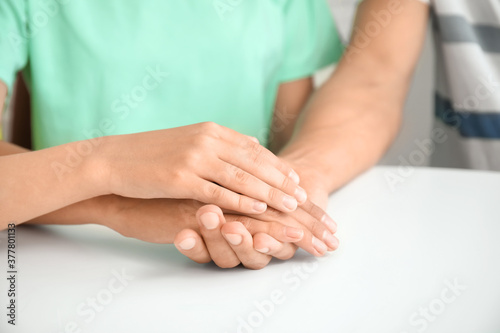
x,y
256,209
207,232
231,239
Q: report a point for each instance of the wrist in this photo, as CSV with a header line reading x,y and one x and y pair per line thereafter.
x,y
95,167
311,179
102,210
113,211
312,176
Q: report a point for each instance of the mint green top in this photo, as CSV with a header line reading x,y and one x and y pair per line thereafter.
x,y
104,67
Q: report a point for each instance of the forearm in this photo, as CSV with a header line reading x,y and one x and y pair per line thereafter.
x,y
344,131
36,183
353,118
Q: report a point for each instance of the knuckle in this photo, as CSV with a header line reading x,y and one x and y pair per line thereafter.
x,y
227,263
318,229
317,212
288,254
256,157
242,203
240,176
210,126
273,195
272,213
201,260
254,264
225,174
313,210
254,148
213,192
284,167
246,221
258,242
286,183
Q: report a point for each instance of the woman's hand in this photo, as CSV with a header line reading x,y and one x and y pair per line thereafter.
x,y
205,162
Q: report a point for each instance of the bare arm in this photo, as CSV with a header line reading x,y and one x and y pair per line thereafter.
x,y
27,178
290,101
354,117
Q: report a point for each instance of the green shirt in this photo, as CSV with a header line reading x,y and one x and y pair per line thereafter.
x,y
104,67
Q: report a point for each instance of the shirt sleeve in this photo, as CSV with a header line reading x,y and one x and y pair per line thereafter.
x,y
13,40
311,39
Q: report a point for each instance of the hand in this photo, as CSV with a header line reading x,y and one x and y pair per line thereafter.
x,y
151,220
317,227
229,243
159,220
205,162
263,241
227,239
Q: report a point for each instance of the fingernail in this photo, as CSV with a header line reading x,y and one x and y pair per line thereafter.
x,y
234,239
300,195
319,245
327,220
330,240
259,207
210,220
187,244
290,203
295,177
294,233
263,250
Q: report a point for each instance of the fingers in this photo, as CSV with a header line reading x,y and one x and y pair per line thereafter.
x,y
190,244
317,228
266,244
258,152
241,243
280,231
240,181
211,219
227,199
245,167
320,215
227,240
291,232
254,159
317,237
227,244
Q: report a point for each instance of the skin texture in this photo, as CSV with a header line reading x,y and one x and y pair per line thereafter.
x,y
353,118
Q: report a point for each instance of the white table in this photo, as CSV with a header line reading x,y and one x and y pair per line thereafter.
x,y
430,245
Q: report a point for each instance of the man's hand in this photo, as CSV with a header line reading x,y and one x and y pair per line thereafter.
x,y
190,243
227,239
228,242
